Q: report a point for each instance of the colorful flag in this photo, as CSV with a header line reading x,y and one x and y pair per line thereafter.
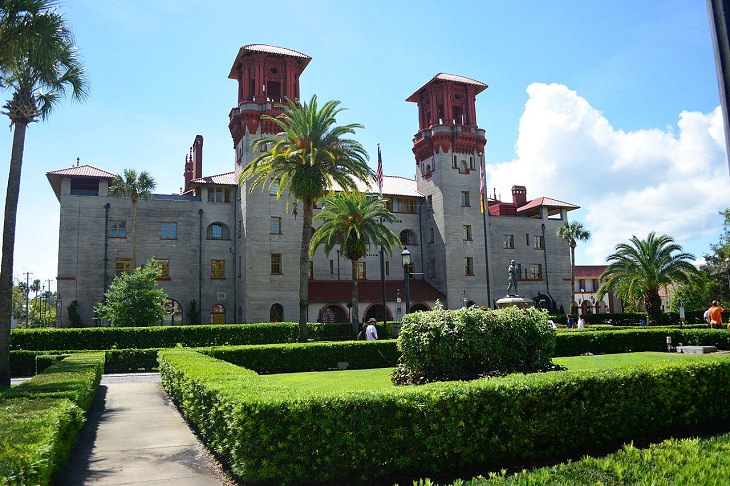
x,y
481,186
379,172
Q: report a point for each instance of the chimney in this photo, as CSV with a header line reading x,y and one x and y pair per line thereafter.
x,y
197,151
519,195
188,173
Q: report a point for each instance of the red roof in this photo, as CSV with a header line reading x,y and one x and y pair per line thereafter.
x,y
589,271
548,202
371,290
266,49
453,78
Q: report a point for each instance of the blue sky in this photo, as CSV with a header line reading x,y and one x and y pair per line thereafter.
x,y
612,106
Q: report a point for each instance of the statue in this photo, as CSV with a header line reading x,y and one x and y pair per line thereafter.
x,y
512,279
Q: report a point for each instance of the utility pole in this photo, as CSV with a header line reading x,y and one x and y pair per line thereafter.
x,y
27,291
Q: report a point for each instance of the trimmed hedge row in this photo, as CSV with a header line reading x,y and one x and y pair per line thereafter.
x,y
269,435
101,338
40,419
577,342
292,358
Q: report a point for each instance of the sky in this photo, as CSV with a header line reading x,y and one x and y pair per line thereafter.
x,y
611,106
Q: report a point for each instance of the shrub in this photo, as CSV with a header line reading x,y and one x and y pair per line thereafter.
x,y
456,344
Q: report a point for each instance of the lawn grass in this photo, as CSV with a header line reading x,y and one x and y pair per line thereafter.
x,y
379,378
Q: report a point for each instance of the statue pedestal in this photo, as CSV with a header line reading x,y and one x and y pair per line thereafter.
x,y
511,300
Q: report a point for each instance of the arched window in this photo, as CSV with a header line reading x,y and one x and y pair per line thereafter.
x,y
218,314
408,237
218,231
173,313
276,313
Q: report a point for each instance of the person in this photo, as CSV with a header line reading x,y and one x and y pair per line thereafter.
x,y
512,279
707,317
715,312
361,334
371,333
569,322
552,324
581,322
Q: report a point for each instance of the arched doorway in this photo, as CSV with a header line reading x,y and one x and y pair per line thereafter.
x,y
173,313
218,314
332,313
376,311
420,307
276,313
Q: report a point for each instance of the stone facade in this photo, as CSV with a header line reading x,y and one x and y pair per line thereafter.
x,y
235,252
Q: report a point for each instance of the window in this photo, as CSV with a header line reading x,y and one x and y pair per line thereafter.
x,y
217,269
467,232
362,271
465,202
463,168
509,241
219,194
408,237
429,198
430,235
276,263
405,205
332,267
275,225
165,268
218,231
168,231
387,268
535,271
122,265
539,243
432,268
117,229
276,313
274,188
469,266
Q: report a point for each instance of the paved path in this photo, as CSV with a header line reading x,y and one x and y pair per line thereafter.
x,y
135,436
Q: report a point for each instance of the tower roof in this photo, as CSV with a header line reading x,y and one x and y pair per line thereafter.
x,y
450,78
266,49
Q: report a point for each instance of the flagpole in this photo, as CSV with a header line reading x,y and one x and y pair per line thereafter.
x,y
379,175
484,205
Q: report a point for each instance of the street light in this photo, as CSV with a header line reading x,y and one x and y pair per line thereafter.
x,y
406,258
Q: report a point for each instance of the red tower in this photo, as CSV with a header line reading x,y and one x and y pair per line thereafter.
x,y
266,75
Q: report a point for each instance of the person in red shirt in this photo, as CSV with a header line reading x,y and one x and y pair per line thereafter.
x,y
715,315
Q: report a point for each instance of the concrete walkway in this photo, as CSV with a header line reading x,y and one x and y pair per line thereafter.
x,y
135,436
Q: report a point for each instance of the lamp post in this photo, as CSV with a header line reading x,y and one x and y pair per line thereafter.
x,y
406,258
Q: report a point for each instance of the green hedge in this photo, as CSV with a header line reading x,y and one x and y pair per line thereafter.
x,y
270,435
40,419
577,342
453,344
100,338
292,358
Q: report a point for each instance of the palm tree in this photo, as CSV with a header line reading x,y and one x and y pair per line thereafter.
x,y
38,63
571,233
134,187
354,220
645,266
306,158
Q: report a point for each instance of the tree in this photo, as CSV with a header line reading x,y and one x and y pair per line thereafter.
x,y
717,263
134,187
644,267
134,298
38,63
571,233
306,158
353,221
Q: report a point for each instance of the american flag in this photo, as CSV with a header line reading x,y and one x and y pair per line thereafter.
x,y
379,171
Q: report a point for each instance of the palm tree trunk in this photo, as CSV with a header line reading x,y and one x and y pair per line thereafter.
x,y
307,215
573,308
355,313
6,266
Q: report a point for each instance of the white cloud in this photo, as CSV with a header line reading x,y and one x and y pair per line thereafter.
x,y
672,181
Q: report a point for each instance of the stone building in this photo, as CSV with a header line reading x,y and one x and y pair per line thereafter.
x,y
232,254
